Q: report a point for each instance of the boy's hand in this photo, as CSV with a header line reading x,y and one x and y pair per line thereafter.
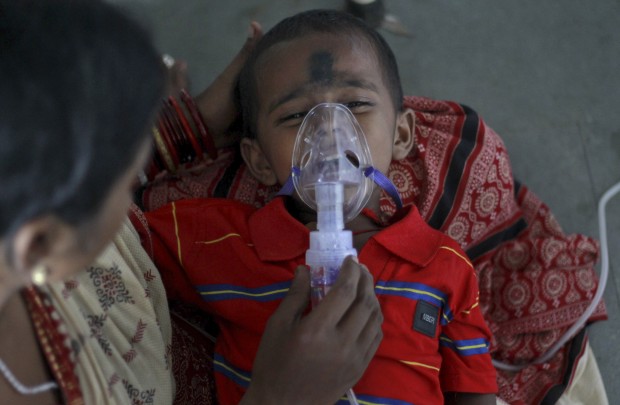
x,y
316,358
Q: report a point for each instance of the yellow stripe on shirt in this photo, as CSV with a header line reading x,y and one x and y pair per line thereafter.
x,y
210,242
415,363
468,311
458,254
219,363
247,294
478,346
176,233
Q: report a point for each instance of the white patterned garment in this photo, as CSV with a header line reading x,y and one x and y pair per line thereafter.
x,y
117,316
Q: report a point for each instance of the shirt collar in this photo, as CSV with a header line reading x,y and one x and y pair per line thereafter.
x,y
276,235
411,238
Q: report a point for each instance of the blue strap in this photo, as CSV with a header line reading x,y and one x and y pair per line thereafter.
x,y
289,187
382,181
373,174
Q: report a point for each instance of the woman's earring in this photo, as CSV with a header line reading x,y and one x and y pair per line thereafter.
x,y
39,275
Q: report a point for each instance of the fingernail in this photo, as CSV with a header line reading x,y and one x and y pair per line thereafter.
x,y
354,258
250,31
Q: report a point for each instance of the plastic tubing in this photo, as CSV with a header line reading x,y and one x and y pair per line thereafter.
x,y
581,321
351,397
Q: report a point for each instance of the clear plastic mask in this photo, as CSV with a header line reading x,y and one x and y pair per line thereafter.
x,y
331,148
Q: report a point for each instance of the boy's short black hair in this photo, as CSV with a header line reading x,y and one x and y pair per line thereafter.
x,y
300,25
80,84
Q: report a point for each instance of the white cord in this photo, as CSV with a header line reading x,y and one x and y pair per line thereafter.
x,y
351,397
581,321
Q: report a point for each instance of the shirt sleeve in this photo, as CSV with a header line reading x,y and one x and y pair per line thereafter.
x,y
166,236
464,341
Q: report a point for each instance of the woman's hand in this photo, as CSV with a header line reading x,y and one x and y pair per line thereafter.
x,y
315,359
216,103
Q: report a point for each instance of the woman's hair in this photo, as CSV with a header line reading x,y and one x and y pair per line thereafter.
x,y
331,22
79,85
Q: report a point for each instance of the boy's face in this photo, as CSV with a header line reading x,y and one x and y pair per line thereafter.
x,y
294,76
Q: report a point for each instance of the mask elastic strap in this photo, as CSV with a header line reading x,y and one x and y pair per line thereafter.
x,y
373,174
289,187
382,181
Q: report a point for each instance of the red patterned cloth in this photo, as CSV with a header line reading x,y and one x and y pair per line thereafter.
x,y
535,280
55,343
192,361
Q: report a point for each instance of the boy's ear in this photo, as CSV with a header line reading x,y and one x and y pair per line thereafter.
x,y
257,162
404,134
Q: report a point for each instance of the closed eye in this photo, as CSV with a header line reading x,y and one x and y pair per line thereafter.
x,y
357,105
293,118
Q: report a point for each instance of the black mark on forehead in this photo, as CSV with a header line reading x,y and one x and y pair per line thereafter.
x,y
321,67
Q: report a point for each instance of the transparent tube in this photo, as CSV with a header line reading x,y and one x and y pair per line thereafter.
x,y
581,321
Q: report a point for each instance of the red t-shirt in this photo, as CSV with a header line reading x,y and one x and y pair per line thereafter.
x,y
236,262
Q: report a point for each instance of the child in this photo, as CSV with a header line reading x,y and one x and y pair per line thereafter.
x,y
240,259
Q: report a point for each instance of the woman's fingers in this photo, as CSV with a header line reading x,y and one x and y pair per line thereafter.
x,y
341,295
352,311
366,313
329,348
296,300
177,78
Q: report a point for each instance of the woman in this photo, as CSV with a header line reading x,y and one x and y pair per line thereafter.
x,y
80,85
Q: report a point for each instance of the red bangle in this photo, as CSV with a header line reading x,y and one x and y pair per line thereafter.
x,y
207,140
183,149
167,138
186,127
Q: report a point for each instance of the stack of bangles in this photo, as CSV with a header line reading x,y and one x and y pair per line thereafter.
x,y
180,136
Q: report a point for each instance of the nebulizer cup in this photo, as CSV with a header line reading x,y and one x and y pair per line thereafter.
x,y
329,158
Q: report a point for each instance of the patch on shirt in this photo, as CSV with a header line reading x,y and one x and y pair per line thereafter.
x,y
426,318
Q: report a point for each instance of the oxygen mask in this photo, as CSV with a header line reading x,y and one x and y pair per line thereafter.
x,y
331,149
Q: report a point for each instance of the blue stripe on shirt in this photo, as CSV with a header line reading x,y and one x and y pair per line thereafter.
x,y
218,292
466,347
417,291
240,377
